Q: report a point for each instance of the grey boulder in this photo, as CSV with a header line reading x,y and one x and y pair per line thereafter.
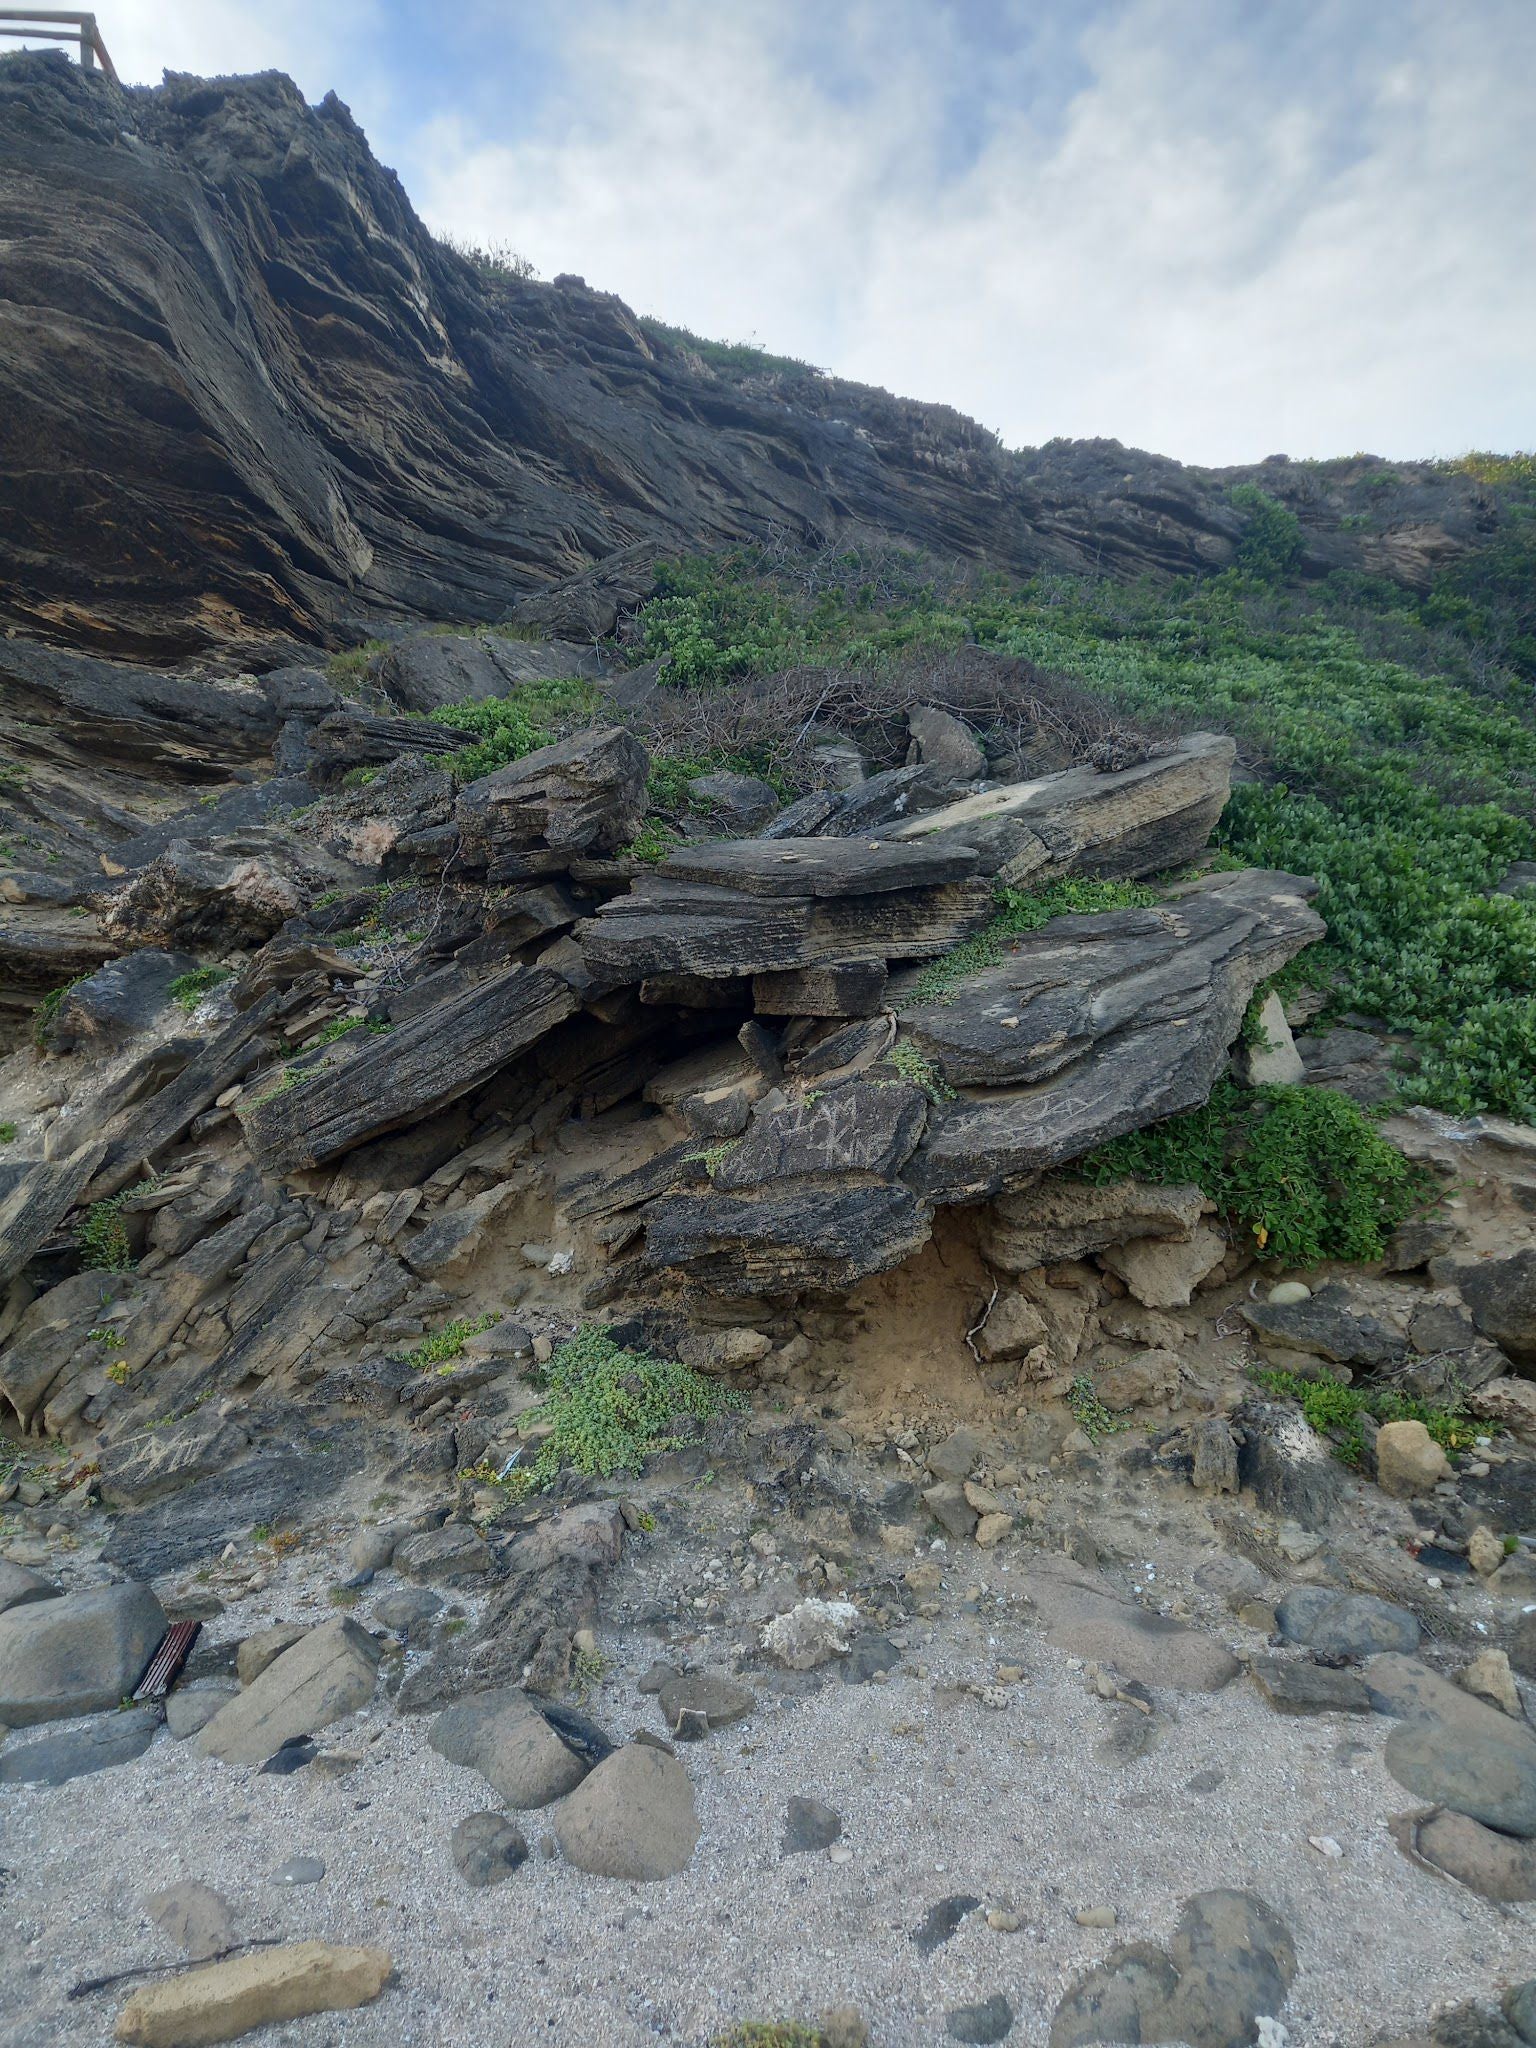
x,y
530,1754
1346,1624
79,1654
632,1818
487,1848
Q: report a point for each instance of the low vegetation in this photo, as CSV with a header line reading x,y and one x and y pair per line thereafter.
x,y
447,1344
1391,732
1303,1173
502,729
101,1235
608,1409
1020,911
1339,1412
189,989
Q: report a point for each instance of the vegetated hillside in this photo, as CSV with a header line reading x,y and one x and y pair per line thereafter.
x,y
246,399
1388,736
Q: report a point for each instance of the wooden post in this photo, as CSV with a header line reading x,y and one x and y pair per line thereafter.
x,y
87,42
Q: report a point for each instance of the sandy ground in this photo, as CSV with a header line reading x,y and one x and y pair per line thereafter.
x,y
939,1794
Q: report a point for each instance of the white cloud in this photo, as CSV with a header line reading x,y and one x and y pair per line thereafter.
x,y
1225,243
1216,230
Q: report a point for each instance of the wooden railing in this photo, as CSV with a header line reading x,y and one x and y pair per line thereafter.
x,y
50,25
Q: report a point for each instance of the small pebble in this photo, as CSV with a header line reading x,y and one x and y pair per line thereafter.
x,y
299,1870
1096,1916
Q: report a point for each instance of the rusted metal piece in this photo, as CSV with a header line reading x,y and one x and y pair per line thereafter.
x,y
164,1668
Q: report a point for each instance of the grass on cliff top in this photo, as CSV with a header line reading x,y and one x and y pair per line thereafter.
x,y
1393,732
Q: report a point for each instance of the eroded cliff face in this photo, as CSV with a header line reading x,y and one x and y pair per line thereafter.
x,y
246,399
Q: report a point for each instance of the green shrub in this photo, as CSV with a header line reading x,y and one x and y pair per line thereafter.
x,y
7,1134
350,671
1271,537
101,1236
503,729
609,1409
48,1009
1304,1172
188,990
448,1343
1399,760
1335,1410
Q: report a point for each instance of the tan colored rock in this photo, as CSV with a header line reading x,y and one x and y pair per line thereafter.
x,y
228,1999
1485,1551
633,1817
1408,1460
991,1529
264,1648
1273,1061
1151,1377
1509,1402
1163,1274
323,1678
1489,1677
1014,1327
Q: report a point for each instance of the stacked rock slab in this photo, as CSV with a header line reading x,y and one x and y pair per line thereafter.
x,y
761,992
1088,1028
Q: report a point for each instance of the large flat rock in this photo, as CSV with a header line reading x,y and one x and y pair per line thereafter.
x,y
1094,1026
1140,820
327,1675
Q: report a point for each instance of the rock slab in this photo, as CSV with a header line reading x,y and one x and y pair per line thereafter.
x,y
329,1674
228,1999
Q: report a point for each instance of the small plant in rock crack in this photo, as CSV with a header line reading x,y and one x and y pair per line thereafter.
x,y
769,2034
713,1157
608,1409
588,1670
914,1065
1337,1412
1093,1418
188,990
442,1348
101,1236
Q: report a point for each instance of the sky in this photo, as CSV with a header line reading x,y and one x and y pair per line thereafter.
x,y
1219,229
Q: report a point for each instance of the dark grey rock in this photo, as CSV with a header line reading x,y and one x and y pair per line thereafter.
x,y
1292,1686
1286,1464
117,1002
98,1746
1346,1624
694,1704
871,1657
296,1754
1230,1963
408,1612
454,1551
79,1654
20,1587
487,1848
272,1487
300,1870
942,1920
941,742
1482,1764
1328,1325
734,803
808,1826
991,2019
1520,2009
1501,1294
